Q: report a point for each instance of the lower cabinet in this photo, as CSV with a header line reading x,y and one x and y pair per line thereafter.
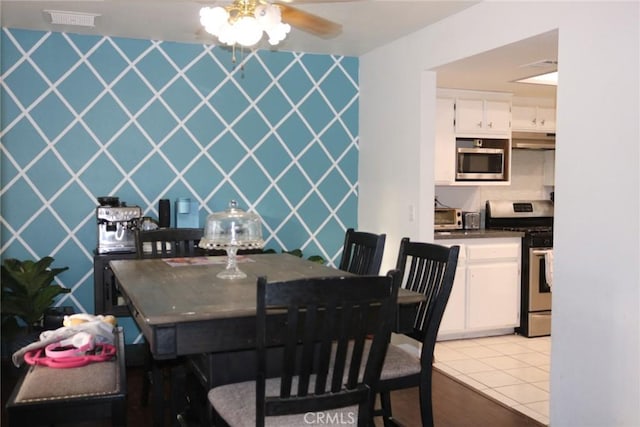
x,y
493,295
485,298
455,314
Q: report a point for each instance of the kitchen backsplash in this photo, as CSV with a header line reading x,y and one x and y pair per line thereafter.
x,y
526,183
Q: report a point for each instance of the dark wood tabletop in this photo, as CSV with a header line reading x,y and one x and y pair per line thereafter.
x,y
183,308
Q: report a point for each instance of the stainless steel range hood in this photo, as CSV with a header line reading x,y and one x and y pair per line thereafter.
x,y
533,140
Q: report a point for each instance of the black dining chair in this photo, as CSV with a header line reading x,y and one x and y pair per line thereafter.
x,y
429,269
331,336
169,243
362,252
165,243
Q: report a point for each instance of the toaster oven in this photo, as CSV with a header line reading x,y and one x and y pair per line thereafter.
x,y
447,219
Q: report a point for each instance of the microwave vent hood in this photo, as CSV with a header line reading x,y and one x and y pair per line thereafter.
x,y
533,140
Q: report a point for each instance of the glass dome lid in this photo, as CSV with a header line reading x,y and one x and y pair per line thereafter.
x,y
232,227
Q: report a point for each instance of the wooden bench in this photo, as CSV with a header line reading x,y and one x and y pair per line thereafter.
x,y
44,396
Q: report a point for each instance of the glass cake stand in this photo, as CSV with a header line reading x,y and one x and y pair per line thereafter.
x,y
232,229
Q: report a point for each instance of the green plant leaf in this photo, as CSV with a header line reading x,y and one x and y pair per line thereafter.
x,y
316,258
295,252
42,301
9,281
15,307
27,289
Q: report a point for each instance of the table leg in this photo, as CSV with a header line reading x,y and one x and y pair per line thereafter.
x,y
157,391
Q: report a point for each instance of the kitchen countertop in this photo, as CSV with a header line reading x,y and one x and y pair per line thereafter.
x,y
475,234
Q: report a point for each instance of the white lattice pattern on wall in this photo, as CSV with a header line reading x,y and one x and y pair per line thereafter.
x,y
86,116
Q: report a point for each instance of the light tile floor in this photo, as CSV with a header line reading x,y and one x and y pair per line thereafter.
x,y
511,369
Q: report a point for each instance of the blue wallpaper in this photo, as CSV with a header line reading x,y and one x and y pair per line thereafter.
x,y
86,116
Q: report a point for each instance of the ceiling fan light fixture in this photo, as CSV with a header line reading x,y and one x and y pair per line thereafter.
x,y
270,17
247,31
213,19
278,33
243,22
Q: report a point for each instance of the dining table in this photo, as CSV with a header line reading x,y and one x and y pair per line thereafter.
x,y
184,309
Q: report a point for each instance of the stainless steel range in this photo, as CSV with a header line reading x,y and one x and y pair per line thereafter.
x,y
535,219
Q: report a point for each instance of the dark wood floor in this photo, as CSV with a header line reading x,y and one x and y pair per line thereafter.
x,y
455,405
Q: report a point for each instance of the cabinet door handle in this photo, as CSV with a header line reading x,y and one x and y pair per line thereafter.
x,y
479,124
542,122
490,124
534,121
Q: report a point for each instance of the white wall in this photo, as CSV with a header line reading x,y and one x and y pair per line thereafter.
x,y
384,152
595,374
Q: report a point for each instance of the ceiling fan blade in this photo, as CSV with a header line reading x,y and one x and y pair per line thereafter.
x,y
308,22
311,1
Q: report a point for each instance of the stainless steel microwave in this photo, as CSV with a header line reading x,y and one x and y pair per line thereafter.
x,y
480,164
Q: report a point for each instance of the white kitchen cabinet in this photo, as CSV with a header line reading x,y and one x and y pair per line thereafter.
x,y
485,298
493,295
533,118
476,117
445,143
453,319
533,114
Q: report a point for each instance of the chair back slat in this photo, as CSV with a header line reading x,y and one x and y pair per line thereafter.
x,y
429,283
168,242
308,349
289,360
358,344
324,354
335,337
362,252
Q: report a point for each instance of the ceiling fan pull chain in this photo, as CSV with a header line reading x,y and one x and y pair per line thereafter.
x,y
234,60
244,55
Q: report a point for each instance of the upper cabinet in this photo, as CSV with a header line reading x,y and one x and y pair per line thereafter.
x,y
475,117
533,115
479,113
473,135
479,121
445,147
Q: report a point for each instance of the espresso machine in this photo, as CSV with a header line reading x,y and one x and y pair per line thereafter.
x,y
117,224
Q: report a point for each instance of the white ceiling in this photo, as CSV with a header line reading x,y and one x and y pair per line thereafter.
x,y
498,69
366,24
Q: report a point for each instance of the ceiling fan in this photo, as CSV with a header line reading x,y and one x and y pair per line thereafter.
x,y
308,22
243,22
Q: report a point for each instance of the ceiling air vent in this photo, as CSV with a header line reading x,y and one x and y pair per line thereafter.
x,y
80,19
